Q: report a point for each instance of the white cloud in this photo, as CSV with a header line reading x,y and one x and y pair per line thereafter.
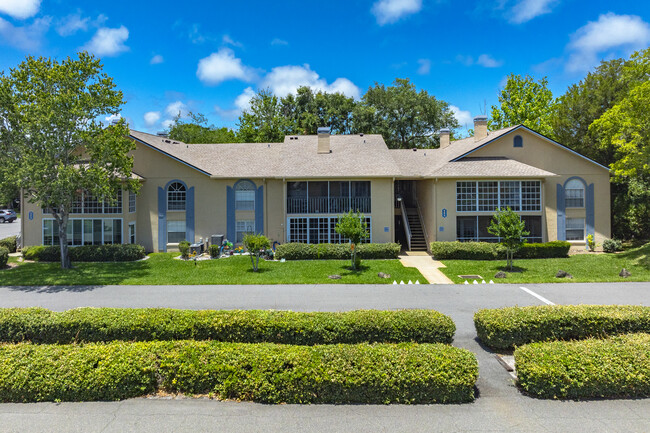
x,y
227,40
425,66
464,117
113,117
243,101
108,42
167,124
526,10
176,108
20,9
222,66
156,59
26,37
390,11
278,41
283,80
72,24
488,61
151,118
606,36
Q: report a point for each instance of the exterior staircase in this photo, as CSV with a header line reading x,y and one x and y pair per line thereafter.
x,y
418,241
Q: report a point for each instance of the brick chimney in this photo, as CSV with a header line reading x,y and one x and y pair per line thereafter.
x,y
445,137
324,140
480,128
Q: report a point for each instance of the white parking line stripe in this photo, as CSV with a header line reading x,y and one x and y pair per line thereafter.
x,y
541,298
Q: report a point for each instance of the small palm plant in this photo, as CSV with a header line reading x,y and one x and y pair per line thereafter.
x,y
256,246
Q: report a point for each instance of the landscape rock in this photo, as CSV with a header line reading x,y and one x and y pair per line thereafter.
x,y
625,273
334,277
383,275
500,274
561,274
569,276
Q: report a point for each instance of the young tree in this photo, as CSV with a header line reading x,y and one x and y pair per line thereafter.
x,y
353,226
196,130
405,117
524,101
51,113
507,225
256,245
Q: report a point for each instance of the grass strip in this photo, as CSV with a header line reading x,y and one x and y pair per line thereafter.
x,y
613,367
505,328
265,372
39,325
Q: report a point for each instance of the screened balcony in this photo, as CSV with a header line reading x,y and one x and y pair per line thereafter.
x,y
323,197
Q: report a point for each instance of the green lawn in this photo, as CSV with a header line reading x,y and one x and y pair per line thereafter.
x,y
161,268
583,267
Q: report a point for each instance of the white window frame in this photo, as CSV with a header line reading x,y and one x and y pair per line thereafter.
x,y
82,229
131,224
500,205
567,229
246,224
184,191
184,231
581,188
329,225
132,200
245,188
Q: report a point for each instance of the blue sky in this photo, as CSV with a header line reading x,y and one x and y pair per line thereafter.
x,y
209,57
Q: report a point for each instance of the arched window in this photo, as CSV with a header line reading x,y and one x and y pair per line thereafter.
x,y
245,195
176,195
518,141
574,193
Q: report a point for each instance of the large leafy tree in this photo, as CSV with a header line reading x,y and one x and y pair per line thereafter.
x,y
524,101
195,129
307,110
50,117
263,121
405,117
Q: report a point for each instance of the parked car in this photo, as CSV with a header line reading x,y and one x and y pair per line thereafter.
x,y
7,216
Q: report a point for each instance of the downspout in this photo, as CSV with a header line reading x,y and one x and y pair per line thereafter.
x,y
284,210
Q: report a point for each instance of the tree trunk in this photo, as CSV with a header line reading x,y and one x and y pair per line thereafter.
x,y
354,257
252,262
63,242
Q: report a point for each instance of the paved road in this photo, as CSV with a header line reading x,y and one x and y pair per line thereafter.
x,y
9,229
500,406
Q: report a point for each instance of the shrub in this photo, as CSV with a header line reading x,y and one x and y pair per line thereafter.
x,y
492,251
612,245
184,248
300,251
248,326
87,253
215,251
505,328
270,373
9,243
614,367
4,257
256,245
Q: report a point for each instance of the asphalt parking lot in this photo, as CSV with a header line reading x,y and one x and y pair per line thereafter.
x,y
499,406
9,229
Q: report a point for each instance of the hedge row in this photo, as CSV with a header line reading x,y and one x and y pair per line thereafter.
x,y
300,251
87,253
505,328
493,251
245,326
9,243
614,367
4,257
269,373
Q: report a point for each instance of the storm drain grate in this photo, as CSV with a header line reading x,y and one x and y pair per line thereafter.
x,y
470,277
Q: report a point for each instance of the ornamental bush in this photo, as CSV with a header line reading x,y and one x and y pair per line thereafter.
x,y
4,257
493,251
9,243
269,373
215,251
184,248
505,328
87,253
612,245
302,251
613,367
247,326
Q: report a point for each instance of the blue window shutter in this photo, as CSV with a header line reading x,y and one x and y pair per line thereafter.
x,y
162,220
230,214
259,210
189,215
590,210
561,218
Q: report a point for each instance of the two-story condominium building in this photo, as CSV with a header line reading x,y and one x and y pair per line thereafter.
x,y
295,190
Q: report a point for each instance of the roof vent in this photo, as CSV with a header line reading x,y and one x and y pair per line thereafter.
x,y
324,140
161,134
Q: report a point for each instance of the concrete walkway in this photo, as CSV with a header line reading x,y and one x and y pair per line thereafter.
x,y
427,266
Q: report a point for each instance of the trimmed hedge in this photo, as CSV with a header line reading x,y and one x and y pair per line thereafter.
x,y
301,251
246,326
614,367
493,251
505,328
4,257
9,243
269,373
87,253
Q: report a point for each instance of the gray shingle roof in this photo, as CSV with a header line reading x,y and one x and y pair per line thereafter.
x,y
351,156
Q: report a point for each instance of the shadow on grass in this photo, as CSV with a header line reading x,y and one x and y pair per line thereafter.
x,y
638,256
515,269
